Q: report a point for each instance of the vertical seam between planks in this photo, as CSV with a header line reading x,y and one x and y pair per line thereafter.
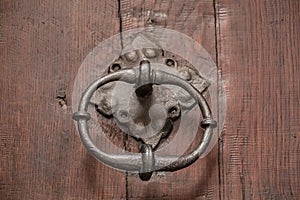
x,y
120,23
216,23
122,46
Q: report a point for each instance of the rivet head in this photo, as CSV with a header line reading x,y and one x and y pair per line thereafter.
x,y
131,56
122,116
170,62
150,53
114,67
174,112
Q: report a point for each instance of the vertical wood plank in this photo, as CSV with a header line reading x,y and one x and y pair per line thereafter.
x,y
195,19
258,53
42,46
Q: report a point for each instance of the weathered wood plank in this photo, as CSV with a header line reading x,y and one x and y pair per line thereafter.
x,y
196,19
42,46
258,53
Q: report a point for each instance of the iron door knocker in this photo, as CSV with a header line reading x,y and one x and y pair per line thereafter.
x,y
146,162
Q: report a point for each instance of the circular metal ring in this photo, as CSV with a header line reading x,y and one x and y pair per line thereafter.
x,y
136,161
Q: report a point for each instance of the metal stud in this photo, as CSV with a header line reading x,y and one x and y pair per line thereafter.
x,y
131,56
150,53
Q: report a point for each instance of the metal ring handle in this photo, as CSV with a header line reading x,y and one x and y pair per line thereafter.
x,y
145,162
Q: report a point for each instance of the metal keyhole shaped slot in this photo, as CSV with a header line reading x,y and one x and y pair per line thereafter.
x,y
145,78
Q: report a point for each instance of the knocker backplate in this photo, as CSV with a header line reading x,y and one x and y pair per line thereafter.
x,y
151,118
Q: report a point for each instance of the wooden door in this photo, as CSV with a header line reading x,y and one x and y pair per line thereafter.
x,y
255,45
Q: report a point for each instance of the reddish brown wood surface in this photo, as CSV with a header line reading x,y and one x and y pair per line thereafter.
x,y
42,45
258,53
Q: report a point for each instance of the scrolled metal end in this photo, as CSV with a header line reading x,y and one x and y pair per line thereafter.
x,y
81,115
208,122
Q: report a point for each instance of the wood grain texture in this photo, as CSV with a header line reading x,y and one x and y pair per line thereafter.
x,y
43,43
258,53
42,46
